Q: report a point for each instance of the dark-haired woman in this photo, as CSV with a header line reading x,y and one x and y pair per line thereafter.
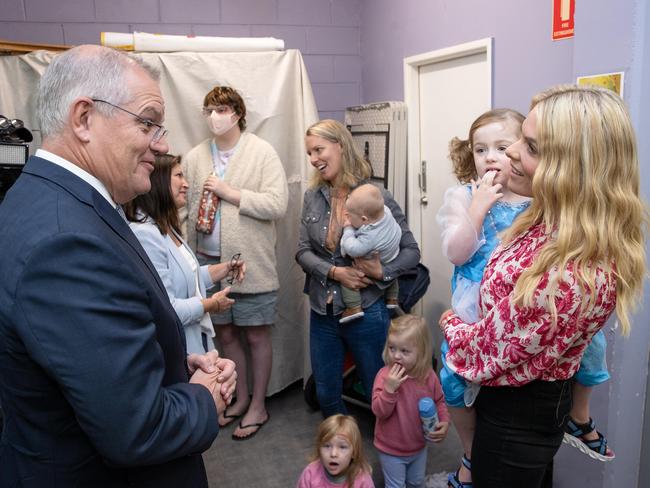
x,y
154,221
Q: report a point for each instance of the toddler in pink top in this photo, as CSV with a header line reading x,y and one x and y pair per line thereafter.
x,y
338,460
406,378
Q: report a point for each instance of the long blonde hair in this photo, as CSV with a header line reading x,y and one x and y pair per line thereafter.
x,y
346,426
354,168
586,190
414,327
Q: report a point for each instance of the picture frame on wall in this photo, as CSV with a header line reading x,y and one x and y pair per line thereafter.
x,y
611,81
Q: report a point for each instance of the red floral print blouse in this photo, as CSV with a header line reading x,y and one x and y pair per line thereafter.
x,y
513,345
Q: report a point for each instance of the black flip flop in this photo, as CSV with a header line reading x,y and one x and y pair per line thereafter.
x,y
259,425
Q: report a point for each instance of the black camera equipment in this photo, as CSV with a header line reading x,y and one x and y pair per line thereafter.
x,y
14,151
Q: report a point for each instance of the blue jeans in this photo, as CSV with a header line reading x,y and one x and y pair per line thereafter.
x,y
328,341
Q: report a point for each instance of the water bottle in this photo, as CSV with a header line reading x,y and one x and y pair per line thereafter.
x,y
428,414
207,212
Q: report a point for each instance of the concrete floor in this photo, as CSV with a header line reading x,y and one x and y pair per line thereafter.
x,y
276,456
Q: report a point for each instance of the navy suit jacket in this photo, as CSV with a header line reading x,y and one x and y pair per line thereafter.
x,y
93,373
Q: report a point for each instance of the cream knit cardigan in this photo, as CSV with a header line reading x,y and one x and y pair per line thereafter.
x,y
256,170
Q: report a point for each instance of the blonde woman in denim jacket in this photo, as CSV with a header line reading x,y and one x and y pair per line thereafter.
x,y
338,169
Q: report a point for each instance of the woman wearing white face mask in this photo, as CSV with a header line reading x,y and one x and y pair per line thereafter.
x,y
247,176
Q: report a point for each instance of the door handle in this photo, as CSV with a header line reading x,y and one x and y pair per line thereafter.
x,y
422,181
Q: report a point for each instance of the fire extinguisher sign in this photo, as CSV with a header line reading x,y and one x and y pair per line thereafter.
x,y
563,19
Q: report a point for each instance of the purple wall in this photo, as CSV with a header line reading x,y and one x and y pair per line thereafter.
x,y
326,32
610,36
525,59
354,51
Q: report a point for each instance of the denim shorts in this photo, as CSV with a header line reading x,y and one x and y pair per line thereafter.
x,y
249,309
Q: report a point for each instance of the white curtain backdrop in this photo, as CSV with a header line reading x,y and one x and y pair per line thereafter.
x,y
280,106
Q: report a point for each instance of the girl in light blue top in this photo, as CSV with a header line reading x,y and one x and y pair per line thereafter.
x,y
154,220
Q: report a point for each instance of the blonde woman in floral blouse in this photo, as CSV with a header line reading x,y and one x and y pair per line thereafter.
x,y
567,263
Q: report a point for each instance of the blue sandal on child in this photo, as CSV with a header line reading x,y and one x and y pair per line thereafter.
x,y
596,449
452,479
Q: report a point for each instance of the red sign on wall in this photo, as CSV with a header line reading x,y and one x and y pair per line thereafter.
x,y
563,18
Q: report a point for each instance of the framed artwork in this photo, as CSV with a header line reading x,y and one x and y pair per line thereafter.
x,y
611,81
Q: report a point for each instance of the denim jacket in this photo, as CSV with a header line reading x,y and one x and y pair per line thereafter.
x,y
316,260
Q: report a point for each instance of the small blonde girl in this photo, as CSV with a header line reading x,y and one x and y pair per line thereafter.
x,y
338,460
406,378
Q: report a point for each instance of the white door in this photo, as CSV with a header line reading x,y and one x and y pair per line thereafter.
x,y
445,91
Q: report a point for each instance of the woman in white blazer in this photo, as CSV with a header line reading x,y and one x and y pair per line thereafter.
x,y
154,220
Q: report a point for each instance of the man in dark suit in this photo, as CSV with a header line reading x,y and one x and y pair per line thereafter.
x,y
93,368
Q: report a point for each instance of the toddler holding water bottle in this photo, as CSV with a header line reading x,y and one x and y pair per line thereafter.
x,y
398,390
